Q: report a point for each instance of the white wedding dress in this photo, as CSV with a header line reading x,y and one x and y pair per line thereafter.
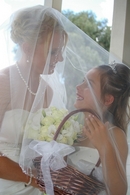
x,y
11,134
10,148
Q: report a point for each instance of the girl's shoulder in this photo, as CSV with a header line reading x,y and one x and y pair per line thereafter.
x,y
117,131
119,138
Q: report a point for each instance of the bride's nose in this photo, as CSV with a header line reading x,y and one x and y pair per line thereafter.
x,y
60,57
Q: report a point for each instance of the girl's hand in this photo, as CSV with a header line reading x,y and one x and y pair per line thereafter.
x,y
97,132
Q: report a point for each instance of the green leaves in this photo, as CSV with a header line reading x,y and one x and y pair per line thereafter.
x,y
87,22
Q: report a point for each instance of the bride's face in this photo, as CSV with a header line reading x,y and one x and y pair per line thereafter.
x,y
89,91
46,60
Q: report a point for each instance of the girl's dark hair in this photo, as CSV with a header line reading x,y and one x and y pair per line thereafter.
x,y
115,80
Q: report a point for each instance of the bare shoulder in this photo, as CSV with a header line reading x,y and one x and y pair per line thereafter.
x,y
4,78
4,87
4,83
121,141
4,74
119,134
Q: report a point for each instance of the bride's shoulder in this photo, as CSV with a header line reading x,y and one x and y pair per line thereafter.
x,y
5,72
4,79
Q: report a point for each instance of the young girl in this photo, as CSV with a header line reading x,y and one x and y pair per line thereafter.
x,y
106,90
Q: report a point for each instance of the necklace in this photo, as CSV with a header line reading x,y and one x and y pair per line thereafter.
x,y
21,76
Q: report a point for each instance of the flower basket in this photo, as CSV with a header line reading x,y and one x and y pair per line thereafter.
x,y
68,180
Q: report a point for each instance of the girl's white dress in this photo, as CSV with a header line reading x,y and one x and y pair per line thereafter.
x,y
85,159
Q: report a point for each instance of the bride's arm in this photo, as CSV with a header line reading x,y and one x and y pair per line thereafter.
x,y
9,169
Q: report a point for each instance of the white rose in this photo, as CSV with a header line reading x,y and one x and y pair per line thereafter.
x,y
70,141
67,124
47,120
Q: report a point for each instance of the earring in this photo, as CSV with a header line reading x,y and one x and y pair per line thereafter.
x,y
27,61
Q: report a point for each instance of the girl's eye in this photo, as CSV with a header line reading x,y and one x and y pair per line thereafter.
x,y
87,83
84,82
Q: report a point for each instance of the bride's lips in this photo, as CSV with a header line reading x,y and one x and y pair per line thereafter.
x,y
79,97
52,68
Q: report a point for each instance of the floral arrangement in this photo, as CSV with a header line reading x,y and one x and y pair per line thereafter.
x,y
43,124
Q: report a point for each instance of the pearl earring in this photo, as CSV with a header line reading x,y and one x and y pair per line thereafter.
x,y
27,61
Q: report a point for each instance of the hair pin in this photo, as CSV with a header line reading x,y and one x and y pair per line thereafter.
x,y
113,66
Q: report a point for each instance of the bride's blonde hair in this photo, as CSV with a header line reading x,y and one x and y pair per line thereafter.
x,y
26,25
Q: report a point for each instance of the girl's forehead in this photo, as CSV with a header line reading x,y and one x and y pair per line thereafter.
x,y
93,73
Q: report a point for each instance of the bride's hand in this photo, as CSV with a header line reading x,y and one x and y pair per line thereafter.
x,y
97,132
35,184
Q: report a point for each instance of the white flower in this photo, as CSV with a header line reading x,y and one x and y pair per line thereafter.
x,y
32,134
44,123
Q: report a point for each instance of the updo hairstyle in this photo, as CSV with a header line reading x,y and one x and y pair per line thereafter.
x,y
30,24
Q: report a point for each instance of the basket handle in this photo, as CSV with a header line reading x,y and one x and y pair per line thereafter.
x,y
68,116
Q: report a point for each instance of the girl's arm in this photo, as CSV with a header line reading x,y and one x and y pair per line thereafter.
x,y
113,150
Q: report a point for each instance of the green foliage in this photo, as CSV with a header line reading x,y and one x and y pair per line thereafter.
x,y
104,38
87,22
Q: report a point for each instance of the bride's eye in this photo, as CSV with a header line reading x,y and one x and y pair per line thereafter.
x,y
53,52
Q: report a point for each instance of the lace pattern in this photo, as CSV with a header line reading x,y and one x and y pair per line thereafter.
x,y
8,150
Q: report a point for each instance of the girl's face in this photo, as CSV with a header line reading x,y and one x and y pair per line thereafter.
x,y
89,91
55,55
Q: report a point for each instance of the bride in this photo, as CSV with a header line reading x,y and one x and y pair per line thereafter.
x,y
37,41
48,56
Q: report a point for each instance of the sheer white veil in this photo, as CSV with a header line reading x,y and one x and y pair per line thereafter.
x,y
48,57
